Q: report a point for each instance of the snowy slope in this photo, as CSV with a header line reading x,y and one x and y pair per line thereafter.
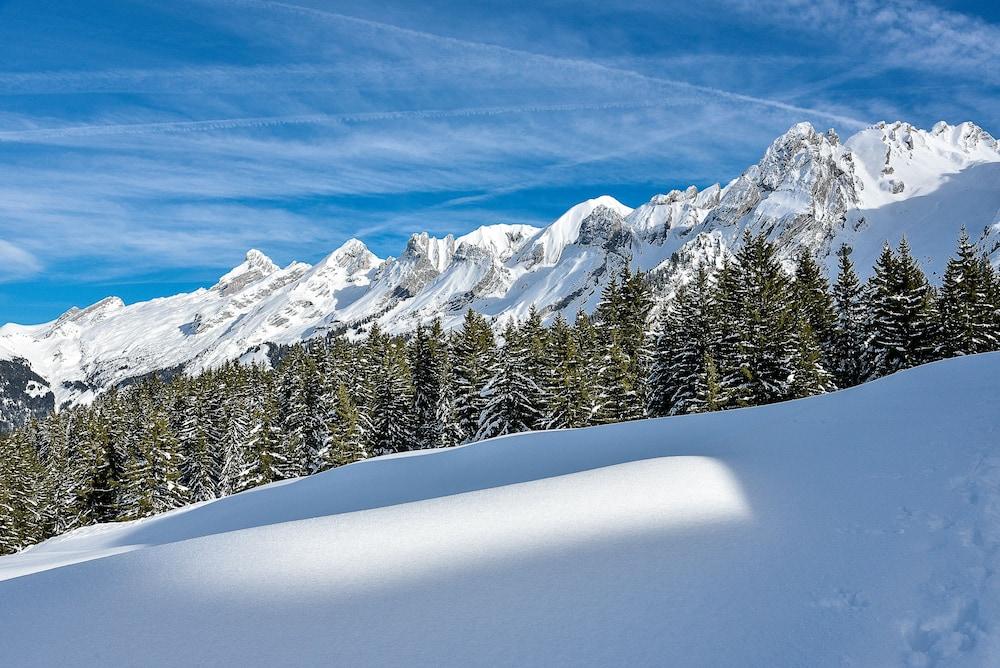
x,y
784,535
809,190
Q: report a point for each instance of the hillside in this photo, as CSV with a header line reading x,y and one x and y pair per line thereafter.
x,y
855,528
809,190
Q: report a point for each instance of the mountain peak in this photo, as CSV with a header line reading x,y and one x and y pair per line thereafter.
x,y
257,260
549,245
254,267
353,256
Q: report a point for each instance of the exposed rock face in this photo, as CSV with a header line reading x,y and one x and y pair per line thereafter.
x,y
23,394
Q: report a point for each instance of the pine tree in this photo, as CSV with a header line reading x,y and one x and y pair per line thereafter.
x,y
303,431
760,346
154,477
684,377
267,462
810,375
902,319
815,304
235,446
533,341
450,433
849,333
588,348
427,360
968,321
510,391
474,360
347,438
621,317
568,404
391,413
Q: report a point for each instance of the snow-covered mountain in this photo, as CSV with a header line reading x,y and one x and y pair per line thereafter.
x,y
783,535
809,190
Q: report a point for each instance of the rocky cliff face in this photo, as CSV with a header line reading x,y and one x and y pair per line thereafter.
x,y
23,394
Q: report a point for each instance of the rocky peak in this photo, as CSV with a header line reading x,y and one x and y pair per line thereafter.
x,y
430,251
255,267
602,226
92,314
352,257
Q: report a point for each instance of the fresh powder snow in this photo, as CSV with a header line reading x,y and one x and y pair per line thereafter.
x,y
858,528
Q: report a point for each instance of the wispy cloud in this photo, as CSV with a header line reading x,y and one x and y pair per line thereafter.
x,y
904,33
572,64
16,263
68,132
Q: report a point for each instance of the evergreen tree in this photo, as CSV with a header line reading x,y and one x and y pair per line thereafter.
x,y
510,391
968,319
810,375
568,404
589,351
154,477
902,327
684,376
815,304
267,462
760,346
427,359
347,438
474,361
391,414
533,346
849,333
621,318
236,450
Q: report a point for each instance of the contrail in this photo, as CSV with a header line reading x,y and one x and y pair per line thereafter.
x,y
561,61
69,132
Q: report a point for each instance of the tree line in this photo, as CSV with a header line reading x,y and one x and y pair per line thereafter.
x,y
748,334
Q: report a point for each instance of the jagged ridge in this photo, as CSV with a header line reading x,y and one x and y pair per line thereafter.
x,y
808,191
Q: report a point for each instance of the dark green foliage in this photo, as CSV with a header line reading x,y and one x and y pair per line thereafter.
x,y
815,304
472,366
759,346
511,392
902,320
967,305
850,330
684,377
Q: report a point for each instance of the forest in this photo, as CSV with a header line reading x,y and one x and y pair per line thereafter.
x,y
753,332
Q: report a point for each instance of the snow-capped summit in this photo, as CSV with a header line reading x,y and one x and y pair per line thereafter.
x,y
352,256
809,190
253,268
547,247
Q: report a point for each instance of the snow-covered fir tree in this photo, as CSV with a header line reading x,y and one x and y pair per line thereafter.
x,y
510,391
902,322
967,310
850,330
474,358
684,377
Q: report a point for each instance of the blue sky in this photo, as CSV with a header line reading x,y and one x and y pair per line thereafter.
x,y
145,145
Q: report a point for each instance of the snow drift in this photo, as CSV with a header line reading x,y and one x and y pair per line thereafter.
x,y
860,527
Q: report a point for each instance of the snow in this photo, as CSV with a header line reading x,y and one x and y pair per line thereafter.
x,y
548,246
856,528
809,190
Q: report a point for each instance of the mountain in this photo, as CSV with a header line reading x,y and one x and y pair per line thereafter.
x,y
782,535
809,190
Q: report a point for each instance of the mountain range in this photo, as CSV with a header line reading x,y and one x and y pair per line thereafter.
x,y
809,191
